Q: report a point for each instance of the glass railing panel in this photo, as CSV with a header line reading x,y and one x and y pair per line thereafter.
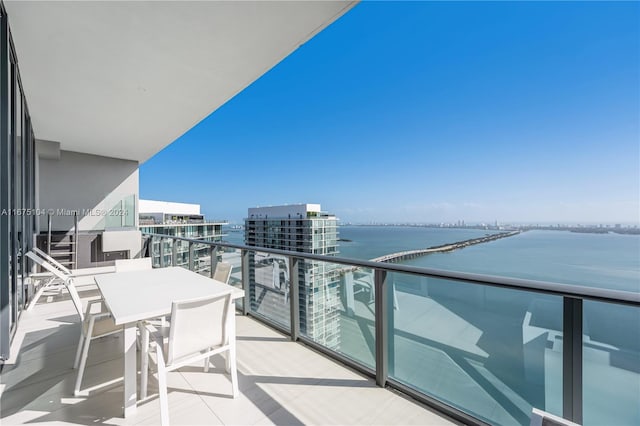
x,y
234,257
167,244
161,250
118,211
202,259
181,252
337,308
611,364
269,287
493,353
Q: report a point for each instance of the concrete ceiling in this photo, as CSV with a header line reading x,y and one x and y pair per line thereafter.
x,y
125,79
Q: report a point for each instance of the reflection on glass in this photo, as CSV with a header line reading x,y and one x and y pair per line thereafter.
x,y
491,352
234,258
269,286
611,364
357,314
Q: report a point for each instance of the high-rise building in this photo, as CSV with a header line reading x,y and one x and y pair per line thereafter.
x,y
179,220
302,228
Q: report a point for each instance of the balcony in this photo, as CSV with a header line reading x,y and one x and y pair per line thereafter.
x,y
281,382
345,342
481,349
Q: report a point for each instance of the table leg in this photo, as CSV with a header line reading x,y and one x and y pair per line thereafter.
x,y
130,370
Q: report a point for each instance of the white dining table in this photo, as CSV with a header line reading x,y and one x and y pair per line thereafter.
x,y
135,296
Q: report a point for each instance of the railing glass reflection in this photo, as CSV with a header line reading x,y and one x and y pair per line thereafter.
x,y
611,357
494,353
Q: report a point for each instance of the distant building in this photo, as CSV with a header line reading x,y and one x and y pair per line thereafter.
x,y
303,228
178,220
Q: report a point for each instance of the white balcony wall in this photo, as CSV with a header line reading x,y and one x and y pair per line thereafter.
x,y
93,185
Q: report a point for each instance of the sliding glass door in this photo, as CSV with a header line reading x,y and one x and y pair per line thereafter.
x,y
17,189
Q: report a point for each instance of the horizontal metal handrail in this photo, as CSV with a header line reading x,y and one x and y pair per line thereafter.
x,y
557,289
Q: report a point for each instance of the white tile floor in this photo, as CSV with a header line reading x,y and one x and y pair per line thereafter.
x,y
281,382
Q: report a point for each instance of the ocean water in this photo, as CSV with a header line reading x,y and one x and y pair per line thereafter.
x,y
598,260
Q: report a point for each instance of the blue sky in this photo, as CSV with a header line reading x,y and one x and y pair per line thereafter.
x,y
431,112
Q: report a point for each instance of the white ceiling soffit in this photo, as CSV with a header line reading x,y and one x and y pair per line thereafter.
x,y
125,79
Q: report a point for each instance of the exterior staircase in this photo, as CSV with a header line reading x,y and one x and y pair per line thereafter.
x,y
62,246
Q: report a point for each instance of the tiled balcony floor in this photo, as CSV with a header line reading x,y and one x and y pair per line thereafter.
x,y
281,382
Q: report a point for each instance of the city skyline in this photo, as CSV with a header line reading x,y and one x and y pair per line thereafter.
x,y
421,112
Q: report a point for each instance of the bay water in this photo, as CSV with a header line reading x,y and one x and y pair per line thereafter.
x,y
599,260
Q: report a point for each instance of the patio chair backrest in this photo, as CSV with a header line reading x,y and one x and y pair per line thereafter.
x,y
123,265
46,265
198,325
222,272
51,260
65,278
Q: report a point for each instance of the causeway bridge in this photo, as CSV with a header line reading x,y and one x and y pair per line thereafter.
x,y
410,254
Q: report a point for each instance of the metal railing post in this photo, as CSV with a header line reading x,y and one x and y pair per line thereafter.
x,y
191,256
75,240
49,234
382,327
161,251
572,359
244,254
294,297
213,259
174,252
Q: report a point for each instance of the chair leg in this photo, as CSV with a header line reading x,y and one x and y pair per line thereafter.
x,y
36,296
83,363
144,361
79,350
162,390
227,361
231,359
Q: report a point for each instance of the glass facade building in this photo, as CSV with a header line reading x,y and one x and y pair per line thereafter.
x,y
185,225
301,228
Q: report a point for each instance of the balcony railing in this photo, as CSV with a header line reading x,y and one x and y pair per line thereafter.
x,y
482,349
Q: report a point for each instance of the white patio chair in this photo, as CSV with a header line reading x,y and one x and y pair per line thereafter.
x,y
75,273
52,281
222,272
123,265
93,325
41,258
143,263
199,329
